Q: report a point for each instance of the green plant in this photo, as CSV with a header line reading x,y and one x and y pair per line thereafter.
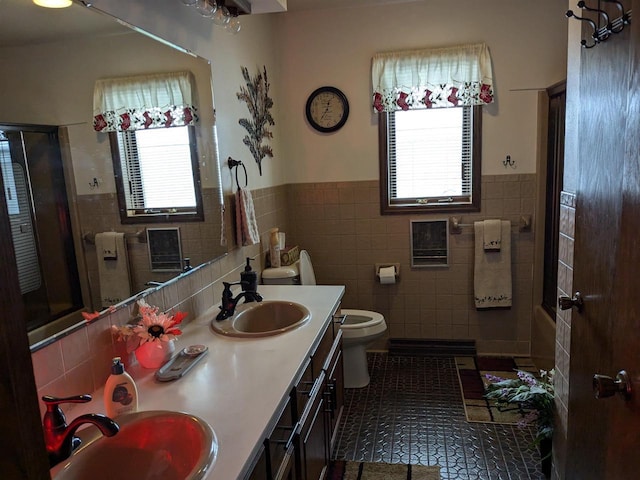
x,y
533,394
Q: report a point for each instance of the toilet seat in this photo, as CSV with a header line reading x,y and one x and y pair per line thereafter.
x,y
362,323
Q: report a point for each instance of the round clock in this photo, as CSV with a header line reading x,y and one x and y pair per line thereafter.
x,y
327,109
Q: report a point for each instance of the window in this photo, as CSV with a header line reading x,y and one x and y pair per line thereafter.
x,y
157,175
430,160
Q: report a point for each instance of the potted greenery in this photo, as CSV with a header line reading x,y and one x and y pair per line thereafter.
x,y
533,395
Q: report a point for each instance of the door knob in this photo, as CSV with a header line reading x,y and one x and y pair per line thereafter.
x,y
566,303
604,386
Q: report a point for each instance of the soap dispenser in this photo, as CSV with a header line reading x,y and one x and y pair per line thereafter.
x,y
249,278
120,391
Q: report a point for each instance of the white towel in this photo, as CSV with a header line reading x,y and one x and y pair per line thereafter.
x,y
246,224
492,236
115,283
108,248
492,272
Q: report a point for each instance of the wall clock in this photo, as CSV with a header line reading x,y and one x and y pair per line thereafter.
x,y
327,109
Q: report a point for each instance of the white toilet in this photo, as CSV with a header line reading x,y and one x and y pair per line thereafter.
x,y
360,327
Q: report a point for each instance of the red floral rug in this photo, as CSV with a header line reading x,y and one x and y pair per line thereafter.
x,y
472,373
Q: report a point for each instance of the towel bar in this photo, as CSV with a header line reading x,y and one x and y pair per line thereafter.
x,y
455,227
140,235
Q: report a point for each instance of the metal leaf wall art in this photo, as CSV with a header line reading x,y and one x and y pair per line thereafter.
x,y
256,95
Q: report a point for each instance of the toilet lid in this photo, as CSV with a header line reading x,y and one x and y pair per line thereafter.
x,y
307,276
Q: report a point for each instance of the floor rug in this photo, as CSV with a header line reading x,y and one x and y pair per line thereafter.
x,y
472,373
341,470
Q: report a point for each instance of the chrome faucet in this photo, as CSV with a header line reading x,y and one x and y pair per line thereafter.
x,y
59,437
228,306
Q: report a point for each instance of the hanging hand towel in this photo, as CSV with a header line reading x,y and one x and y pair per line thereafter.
x,y
246,224
492,236
108,248
113,273
492,270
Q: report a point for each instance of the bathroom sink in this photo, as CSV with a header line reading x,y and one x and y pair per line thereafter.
x,y
263,319
160,445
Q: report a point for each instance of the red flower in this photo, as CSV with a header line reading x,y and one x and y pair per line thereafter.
x,y
126,121
485,93
99,123
377,102
402,101
148,121
453,97
427,98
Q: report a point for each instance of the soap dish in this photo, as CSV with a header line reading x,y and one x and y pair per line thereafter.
x,y
181,363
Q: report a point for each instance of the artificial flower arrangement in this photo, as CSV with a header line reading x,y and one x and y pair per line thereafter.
x,y
152,330
535,394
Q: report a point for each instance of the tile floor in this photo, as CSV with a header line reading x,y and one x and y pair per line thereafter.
x,y
412,412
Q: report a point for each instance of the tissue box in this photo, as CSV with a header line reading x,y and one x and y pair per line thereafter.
x,y
289,255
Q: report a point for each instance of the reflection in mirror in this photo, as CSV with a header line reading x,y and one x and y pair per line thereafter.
x,y
51,60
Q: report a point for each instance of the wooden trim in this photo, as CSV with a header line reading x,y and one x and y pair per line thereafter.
x,y
22,451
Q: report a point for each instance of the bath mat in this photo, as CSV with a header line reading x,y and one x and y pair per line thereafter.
x,y
471,373
341,470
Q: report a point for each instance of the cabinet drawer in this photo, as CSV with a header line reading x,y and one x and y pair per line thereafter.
x,y
313,434
302,390
321,352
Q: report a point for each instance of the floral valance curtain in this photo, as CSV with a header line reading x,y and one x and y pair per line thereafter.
x,y
432,78
144,101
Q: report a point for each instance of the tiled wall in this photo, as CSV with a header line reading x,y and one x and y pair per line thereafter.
x,y
99,213
563,326
79,362
339,223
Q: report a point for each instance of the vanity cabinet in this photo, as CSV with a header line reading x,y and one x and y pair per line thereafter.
x,y
299,447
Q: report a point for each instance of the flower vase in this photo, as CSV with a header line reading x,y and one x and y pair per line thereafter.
x,y
154,354
545,456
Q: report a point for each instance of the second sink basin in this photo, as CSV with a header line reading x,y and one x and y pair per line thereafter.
x,y
263,319
158,445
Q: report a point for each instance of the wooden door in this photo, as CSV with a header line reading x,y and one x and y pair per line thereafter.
x,y
602,434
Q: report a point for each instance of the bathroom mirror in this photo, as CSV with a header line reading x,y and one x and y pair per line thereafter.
x,y
51,59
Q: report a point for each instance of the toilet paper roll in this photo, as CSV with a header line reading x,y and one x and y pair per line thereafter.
x,y
387,275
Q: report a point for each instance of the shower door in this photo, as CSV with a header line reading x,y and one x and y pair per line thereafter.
x,y
36,198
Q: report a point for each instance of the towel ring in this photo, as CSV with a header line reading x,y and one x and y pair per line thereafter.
x,y
234,163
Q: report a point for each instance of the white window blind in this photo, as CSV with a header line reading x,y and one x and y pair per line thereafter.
x,y
430,156
157,171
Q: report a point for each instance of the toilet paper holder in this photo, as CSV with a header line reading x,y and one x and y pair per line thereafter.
x,y
385,265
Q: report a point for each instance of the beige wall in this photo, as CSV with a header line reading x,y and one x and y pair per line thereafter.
x,y
340,225
335,46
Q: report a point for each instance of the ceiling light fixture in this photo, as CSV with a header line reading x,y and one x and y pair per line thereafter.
x,y
53,3
220,15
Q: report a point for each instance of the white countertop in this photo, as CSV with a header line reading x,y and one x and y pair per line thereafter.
x,y
241,382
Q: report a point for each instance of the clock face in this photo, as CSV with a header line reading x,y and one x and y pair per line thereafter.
x,y
327,109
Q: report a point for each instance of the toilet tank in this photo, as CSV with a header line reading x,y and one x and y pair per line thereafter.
x,y
288,275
